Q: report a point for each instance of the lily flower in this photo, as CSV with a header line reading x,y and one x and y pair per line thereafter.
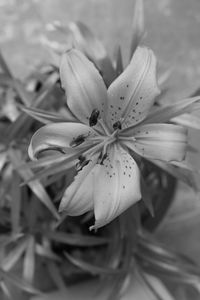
x,y
109,134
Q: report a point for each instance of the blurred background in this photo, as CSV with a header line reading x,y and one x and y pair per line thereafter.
x,y
173,32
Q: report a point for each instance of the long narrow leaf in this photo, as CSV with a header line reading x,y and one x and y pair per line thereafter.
x,y
17,281
35,185
54,169
44,161
75,239
15,203
45,252
188,120
138,27
43,116
4,66
119,62
25,96
29,261
14,255
55,274
20,127
6,291
91,268
146,196
183,174
164,114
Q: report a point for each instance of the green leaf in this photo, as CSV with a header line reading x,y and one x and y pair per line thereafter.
x,y
29,260
75,239
17,281
9,108
165,113
59,167
45,161
43,116
181,172
138,27
25,96
134,289
14,255
35,185
167,264
15,203
119,62
153,288
188,120
55,274
147,196
6,291
89,267
3,159
89,290
4,66
46,252
5,80
21,126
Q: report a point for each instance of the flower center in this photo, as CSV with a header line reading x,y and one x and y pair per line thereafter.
x,y
98,144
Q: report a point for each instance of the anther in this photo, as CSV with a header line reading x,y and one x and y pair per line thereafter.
x,y
78,141
94,117
117,125
82,163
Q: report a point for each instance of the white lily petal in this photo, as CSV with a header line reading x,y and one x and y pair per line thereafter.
x,y
165,142
59,136
132,94
85,89
116,186
78,197
88,43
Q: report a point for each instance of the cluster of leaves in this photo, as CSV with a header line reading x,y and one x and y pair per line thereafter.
x,y
35,242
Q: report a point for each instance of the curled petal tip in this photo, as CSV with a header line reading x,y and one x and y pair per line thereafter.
x,y
61,208
31,153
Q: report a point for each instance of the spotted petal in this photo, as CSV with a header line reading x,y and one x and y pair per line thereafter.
x,y
132,94
78,197
59,136
84,87
116,186
165,142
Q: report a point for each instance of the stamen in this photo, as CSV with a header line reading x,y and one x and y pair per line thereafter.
x,y
125,138
104,127
104,144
